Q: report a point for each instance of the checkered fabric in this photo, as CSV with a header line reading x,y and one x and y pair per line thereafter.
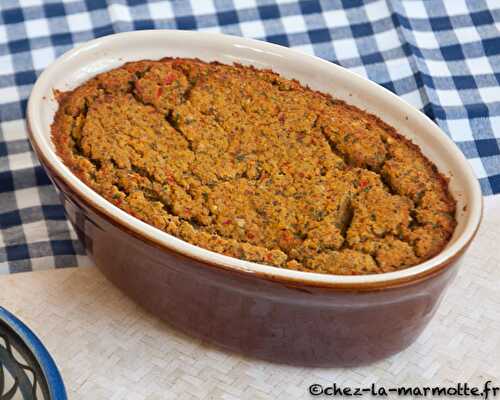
x,y
443,56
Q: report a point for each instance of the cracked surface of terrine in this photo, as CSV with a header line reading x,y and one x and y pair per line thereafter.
x,y
246,163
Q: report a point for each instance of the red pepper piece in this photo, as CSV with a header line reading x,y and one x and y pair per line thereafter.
x,y
169,79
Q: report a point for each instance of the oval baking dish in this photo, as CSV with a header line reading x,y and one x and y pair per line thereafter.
x,y
274,313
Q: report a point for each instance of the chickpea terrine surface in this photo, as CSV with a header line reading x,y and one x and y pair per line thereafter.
x,y
249,164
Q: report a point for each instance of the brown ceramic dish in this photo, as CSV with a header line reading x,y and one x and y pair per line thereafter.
x,y
272,313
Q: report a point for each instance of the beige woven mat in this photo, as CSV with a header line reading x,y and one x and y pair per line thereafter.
x,y
109,348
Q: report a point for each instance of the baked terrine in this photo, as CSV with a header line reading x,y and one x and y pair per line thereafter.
x,y
249,164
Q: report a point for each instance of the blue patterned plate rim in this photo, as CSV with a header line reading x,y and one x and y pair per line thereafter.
x,y
49,369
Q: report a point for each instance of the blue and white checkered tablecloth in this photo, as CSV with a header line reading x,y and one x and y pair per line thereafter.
x,y
443,56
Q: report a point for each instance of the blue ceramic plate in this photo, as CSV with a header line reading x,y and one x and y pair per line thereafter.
x,y
27,371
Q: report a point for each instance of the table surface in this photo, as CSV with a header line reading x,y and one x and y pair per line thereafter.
x,y
107,347
442,56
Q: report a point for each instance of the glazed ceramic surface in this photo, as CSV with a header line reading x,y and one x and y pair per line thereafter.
x,y
278,314
27,371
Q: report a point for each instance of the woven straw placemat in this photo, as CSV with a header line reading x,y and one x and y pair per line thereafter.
x,y
107,347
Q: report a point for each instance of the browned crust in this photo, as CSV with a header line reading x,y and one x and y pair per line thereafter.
x,y
60,140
